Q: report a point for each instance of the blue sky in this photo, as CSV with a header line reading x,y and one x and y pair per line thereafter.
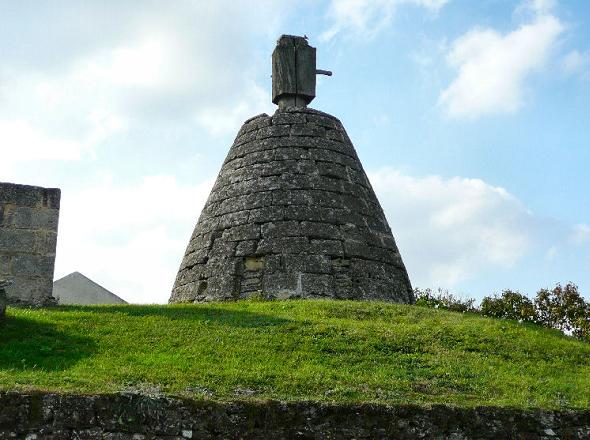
x,y
470,118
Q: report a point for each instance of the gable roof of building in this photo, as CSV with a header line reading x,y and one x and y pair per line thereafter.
x,y
77,288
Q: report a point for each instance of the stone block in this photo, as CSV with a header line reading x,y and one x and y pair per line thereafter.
x,y
222,248
363,250
30,291
24,217
343,286
222,286
309,197
267,214
233,219
282,245
19,217
253,263
274,263
244,202
326,247
255,123
335,135
3,299
245,138
250,231
13,241
334,170
247,247
289,152
282,285
320,230
256,158
317,284
273,131
309,129
313,214
45,242
323,155
325,121
306,263
33,265
197,257
200,242
251,281
31,196
5,266
281,229
288,118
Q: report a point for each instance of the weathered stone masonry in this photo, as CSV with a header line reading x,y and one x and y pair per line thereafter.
x,y
292,214
28,236
134,417
3,301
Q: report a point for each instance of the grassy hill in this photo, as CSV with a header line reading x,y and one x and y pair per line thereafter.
x,y
294,350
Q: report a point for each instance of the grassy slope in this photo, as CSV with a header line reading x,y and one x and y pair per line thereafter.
x,y
292,350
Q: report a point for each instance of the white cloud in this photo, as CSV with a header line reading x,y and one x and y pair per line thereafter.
x,y
551,253
450,230
539,6
219,119
24,142
580,234
493,68
365,18
577,62
178,64
130,238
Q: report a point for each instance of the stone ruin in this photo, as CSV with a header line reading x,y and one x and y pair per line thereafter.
x,y
292,213
28,237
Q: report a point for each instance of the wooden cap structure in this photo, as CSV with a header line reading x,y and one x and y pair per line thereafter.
x,y
293,72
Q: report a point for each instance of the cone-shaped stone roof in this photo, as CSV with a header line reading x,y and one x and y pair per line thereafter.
x,y
292,215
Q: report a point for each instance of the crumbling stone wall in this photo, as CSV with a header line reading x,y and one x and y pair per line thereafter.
x,y
28,236
134,417
292,214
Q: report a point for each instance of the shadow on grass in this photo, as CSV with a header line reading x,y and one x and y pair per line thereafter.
x,y
204,313
31,345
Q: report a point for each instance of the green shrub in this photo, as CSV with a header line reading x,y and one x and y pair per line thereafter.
x,y
563,308
509,305
442,299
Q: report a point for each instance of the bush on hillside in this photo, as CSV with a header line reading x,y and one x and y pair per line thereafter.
x,y
509,305
442,299
563,308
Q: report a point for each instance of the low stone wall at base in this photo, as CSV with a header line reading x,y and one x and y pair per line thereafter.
x,y
133,417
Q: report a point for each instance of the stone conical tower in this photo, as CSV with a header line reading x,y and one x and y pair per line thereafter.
x,y
292,213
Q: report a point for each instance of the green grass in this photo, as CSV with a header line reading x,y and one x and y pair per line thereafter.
x,y
295,350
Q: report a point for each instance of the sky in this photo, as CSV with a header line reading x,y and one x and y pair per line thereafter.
x,y
470,119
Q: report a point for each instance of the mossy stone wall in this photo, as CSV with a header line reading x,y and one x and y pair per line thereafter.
x,y
135,417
